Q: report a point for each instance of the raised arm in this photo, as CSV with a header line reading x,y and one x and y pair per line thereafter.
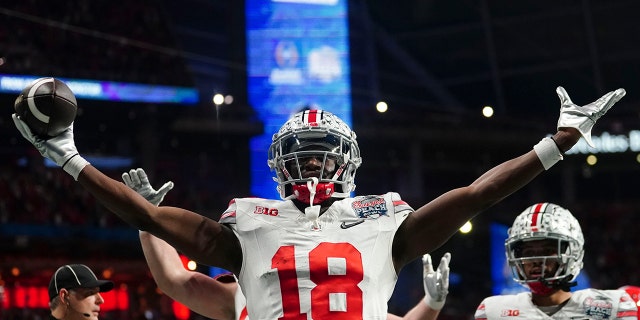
x,y
193,289
199,237
436,289
432,224
199,292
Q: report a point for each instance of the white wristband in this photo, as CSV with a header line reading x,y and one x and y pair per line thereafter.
x,y
547,152
74,165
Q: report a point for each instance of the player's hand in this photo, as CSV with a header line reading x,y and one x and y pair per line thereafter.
x,y
137,180
436,282
59,149
583,118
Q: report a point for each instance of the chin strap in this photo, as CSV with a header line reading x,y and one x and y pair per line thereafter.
x,y
540,288
544,288
563,284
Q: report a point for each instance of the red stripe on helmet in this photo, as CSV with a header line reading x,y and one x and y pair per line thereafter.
x,y
534,217
312,117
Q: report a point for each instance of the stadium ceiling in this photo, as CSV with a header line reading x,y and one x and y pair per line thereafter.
x,y
436,63
440,62
454,57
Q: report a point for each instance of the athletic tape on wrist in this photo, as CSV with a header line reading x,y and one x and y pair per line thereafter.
x,y
434,305
74,165
548,152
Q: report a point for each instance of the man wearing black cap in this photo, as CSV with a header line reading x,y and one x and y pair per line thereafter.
x,y
74,293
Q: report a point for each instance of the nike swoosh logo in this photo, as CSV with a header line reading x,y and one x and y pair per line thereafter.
x,y
345,225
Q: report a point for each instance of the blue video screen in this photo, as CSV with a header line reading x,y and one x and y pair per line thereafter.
x,y
108,90
297,56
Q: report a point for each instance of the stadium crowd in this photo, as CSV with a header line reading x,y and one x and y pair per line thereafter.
x,y
38,36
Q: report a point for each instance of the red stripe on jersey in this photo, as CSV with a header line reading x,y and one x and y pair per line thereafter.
x,y
399,203
228,214
243,314
534,217
481,307
628,313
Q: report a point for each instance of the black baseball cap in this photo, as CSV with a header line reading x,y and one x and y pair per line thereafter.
x,y
72,276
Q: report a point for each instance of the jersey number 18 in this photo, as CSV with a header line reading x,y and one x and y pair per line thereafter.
x,y
332,289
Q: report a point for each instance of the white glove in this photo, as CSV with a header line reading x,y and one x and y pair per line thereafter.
x,y
583,118
60,149
436,283
137,180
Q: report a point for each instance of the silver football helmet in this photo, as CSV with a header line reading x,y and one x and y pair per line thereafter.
x,y
546,221
324,136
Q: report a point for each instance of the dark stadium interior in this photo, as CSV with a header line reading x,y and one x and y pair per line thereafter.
x,y
436,63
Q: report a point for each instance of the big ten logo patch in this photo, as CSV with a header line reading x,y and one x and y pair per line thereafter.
x,y
510,313
266,211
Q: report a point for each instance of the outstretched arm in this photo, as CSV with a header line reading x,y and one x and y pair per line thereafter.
x,y
199,237
432,224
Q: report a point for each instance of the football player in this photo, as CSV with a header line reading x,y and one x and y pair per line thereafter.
x,y
319,252
544,249
197,291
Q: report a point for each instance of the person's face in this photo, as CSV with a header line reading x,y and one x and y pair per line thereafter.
x,y
88,300
311,166
539,267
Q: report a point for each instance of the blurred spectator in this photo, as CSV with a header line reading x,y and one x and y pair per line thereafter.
x,y
128,42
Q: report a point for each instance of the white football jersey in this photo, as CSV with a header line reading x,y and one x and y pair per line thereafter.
x,y
336,267
583,304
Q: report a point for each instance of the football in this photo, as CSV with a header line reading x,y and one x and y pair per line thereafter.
x,y
47,106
